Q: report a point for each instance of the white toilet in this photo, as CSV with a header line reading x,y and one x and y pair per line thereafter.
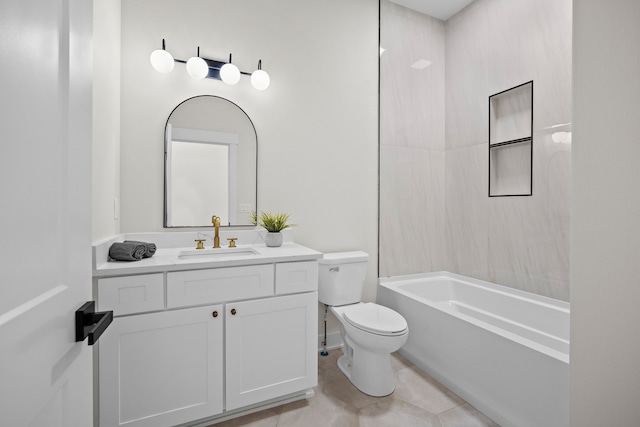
x,y
370,332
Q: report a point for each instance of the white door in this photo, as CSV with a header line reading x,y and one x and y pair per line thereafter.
x,y
45,220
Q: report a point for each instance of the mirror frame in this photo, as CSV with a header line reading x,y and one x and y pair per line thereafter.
x,y
164,221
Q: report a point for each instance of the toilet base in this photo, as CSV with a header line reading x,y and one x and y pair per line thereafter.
x,y
371,373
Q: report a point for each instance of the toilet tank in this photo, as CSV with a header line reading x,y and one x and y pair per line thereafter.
x,y
341,277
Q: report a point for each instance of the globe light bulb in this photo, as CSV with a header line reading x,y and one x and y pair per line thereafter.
x,y
197,67
162,61
260,79
230,74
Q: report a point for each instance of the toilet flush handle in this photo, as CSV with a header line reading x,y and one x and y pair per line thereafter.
x,y
336,269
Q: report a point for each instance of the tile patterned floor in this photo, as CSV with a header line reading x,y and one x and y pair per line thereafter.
x,y
419,400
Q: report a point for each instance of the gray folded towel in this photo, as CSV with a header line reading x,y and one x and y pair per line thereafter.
x,y
150,248
127,251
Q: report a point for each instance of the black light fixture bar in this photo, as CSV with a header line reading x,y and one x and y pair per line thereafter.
x,y
214,67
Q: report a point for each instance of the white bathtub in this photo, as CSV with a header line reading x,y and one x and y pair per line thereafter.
x,y
503,350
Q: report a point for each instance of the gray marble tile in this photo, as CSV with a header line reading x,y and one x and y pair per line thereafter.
x,y
398,362
467,210
330,361
266,418
467,63
339,387
535,44
465,416
396,412
412,79
411,210
321,410
529,236
418,400
420,389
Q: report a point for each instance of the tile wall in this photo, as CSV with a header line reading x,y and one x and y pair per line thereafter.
x,y
435,212
412,144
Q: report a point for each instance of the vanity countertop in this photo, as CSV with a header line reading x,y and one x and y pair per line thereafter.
x,y
169,255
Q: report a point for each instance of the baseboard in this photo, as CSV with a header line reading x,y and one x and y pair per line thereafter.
x,y
334,340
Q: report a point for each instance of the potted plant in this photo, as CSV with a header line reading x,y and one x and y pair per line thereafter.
x,y
274,223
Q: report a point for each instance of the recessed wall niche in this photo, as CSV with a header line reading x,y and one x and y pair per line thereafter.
x,y
511,142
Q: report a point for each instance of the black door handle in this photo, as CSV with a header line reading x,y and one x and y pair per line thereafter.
x,y
91,324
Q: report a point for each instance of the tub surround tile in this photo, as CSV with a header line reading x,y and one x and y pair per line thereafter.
x,y
467,63
418,202
412,140
466,211
412,92
529,236
520,242
435,213
528,31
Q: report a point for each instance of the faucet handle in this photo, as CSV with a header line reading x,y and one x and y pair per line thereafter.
x,y
200,243
232,241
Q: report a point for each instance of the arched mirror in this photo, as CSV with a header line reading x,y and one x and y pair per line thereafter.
x,y
210,164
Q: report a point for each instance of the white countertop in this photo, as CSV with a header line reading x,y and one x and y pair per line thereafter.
x,y
172,244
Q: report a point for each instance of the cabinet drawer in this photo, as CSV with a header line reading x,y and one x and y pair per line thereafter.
x,y
131,294
292,277
185,288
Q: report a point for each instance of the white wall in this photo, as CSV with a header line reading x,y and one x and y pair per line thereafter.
x,y
106,117
605,233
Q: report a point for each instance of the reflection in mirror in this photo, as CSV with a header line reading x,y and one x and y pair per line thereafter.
x,y
210,164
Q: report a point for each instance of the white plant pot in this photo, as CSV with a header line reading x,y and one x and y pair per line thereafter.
x,y
273,239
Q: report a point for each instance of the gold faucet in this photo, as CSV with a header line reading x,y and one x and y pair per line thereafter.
x,y
215,220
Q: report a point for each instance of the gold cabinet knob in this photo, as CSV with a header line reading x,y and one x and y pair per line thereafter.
x,y
233,312
214,314
200,243
232,241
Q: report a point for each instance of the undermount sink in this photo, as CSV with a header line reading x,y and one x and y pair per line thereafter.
x,y
218,253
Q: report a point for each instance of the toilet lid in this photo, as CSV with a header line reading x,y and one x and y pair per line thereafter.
x,y
375,318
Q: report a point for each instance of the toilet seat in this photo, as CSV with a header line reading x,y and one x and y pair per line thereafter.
x,y
375,319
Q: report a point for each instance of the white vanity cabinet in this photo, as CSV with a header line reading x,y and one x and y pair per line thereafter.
x,y
186,346
162,369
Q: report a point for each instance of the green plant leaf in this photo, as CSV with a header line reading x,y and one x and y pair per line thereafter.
x,y
273,222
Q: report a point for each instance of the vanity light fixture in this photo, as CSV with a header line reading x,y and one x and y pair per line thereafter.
x,y
199,68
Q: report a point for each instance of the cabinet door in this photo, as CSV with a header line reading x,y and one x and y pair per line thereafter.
x,y
271,348
162,369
